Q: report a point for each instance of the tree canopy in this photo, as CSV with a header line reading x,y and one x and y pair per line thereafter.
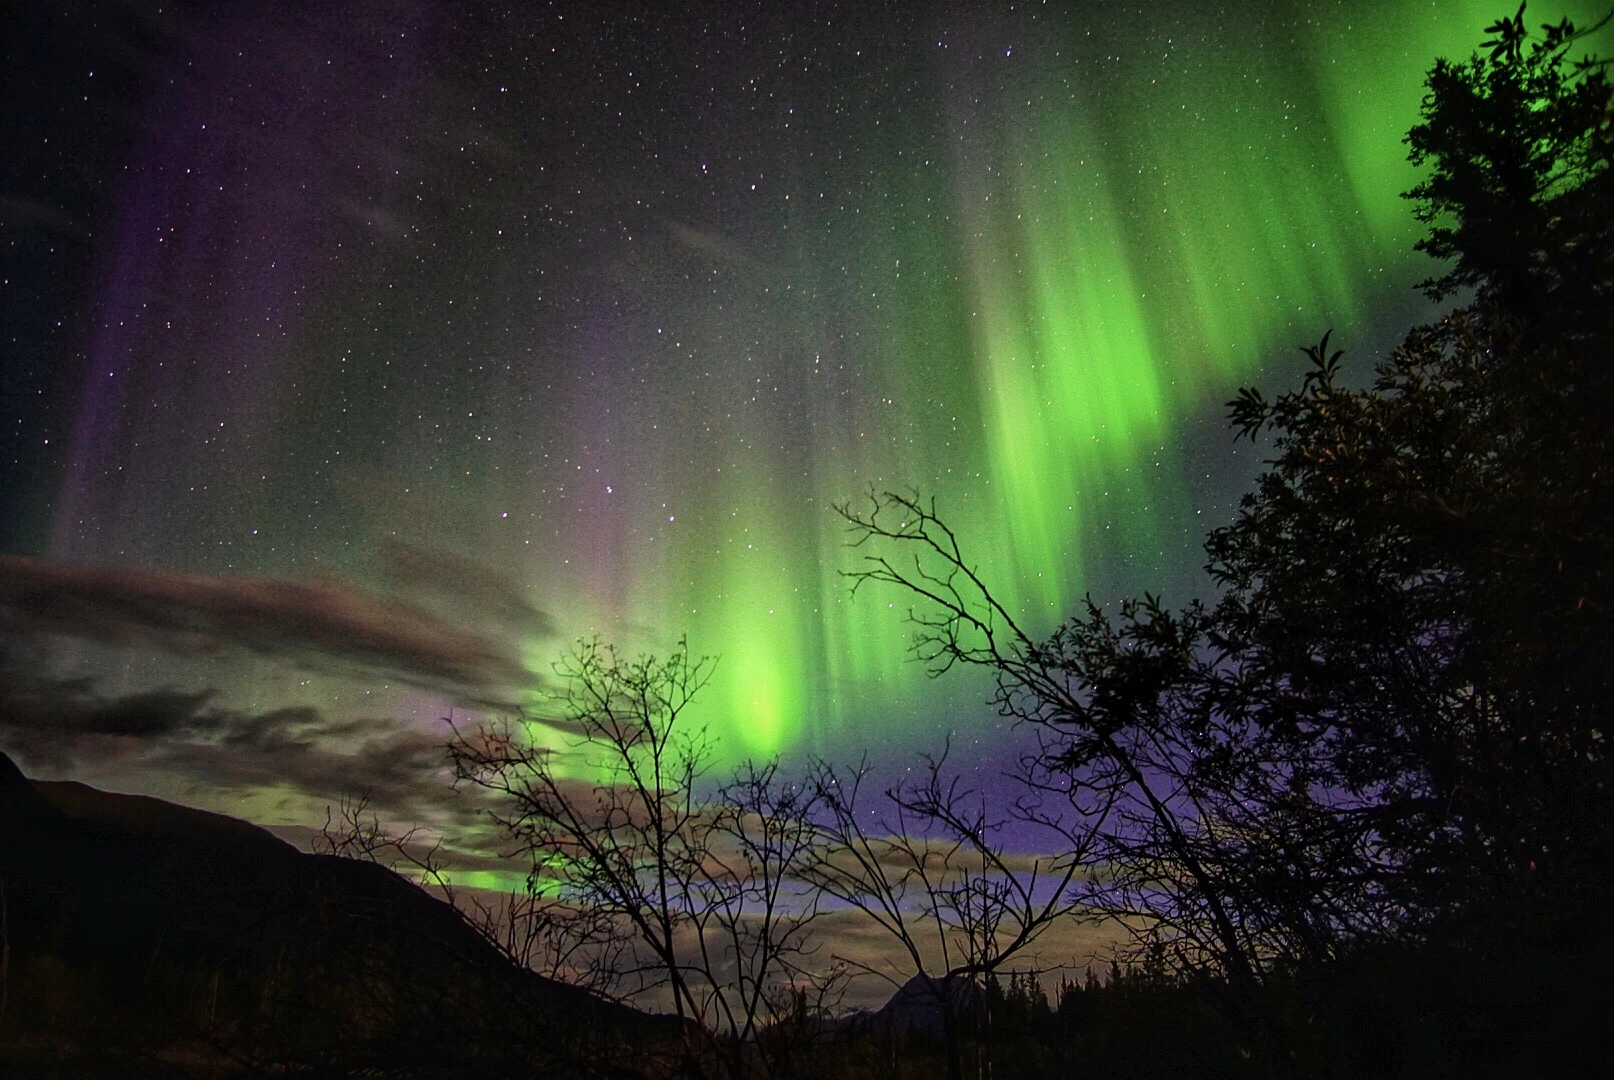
x,y
1389,722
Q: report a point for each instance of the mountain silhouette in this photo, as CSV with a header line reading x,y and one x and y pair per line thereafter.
x,y
917,1005
138,931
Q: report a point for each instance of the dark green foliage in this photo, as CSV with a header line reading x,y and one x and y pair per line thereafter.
x,y
1398,706
1415,614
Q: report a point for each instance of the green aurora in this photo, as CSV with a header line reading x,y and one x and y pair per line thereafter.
x,y
1125,237
622,320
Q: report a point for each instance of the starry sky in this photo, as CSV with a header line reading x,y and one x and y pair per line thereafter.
x,y
357,357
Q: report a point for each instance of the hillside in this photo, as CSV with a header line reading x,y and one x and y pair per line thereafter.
x,y
152,936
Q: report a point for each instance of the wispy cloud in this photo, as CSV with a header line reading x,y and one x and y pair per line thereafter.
x,y
320,625
67,728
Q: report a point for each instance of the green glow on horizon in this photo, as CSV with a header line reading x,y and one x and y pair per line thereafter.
x,y
502,881
760,679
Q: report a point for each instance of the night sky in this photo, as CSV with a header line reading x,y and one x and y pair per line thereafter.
x,y
357,357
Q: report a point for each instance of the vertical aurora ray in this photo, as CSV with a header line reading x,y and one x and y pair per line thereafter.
x,y
631,355
757,618
1114,273
1070,386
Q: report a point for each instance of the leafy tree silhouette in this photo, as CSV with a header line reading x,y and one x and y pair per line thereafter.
x,y
1390,722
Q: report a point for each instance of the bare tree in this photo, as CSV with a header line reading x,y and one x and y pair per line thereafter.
x,y
933,873
353,830
532,927
653,884
766,832
1113,740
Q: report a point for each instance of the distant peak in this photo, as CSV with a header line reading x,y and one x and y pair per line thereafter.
x,y
11,777
19,797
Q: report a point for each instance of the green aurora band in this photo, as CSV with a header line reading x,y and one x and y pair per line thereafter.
x,y
1119,247
1015,260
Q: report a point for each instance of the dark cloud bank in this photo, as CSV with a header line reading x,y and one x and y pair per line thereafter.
x,y
66,727
319,625
416,634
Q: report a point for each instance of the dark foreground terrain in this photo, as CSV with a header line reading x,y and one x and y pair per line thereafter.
x,y
144,938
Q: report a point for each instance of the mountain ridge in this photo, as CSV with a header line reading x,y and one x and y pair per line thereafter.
x,y
139,929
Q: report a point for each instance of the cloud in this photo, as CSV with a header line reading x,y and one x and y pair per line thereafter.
x,y
62,724
716,247
67,728
316,624
440,580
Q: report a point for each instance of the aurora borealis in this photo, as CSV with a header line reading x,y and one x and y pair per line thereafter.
x,y
613,302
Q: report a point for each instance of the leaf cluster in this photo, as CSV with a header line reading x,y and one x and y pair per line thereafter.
x,y
1519,140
